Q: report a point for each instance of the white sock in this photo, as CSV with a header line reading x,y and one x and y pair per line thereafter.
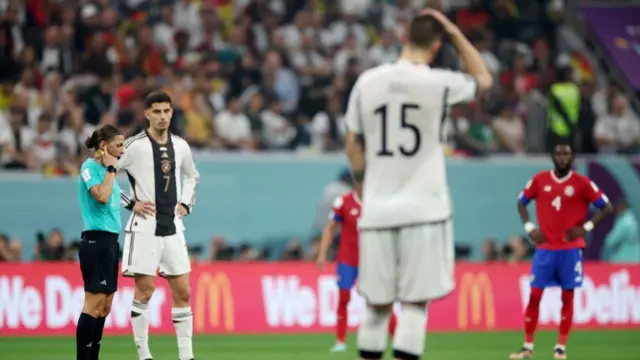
x,y
140,325
183,322
410,331
373,332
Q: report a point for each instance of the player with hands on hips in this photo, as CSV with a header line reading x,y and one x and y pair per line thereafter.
x,y
562,201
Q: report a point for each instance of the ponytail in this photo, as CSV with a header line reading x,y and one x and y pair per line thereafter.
x,y
100,134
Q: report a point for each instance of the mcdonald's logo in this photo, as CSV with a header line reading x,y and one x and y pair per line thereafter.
x,y
217,288
474,291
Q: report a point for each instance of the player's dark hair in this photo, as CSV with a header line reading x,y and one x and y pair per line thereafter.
x,y
157,97
424,30
563,141
102,133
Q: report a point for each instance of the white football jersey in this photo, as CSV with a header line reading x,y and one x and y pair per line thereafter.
x,y
164,174
399,110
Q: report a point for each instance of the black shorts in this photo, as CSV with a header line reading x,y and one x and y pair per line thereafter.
x,y
99,252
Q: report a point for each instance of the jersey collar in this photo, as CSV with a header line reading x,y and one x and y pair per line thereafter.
x,y
407,62
558,180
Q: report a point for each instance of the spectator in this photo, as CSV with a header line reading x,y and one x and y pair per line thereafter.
x,y
618,131
219,251
247,252
622,244
293,251
44,142
10,250
277,131
475,17
328,128
490,251
234,127
282,81
509,130
52,248
17,141
517,250
564,108
386,51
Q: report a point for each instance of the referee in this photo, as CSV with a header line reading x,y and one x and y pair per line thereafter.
x,y
99,197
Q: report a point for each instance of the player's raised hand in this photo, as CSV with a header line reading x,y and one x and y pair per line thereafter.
x,y
574,233
537,236
144,209
181,211
448,25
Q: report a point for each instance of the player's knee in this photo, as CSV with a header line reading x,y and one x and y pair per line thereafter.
x,y
106,308
143,293
372,335
180,290
181,295
408,342
94,304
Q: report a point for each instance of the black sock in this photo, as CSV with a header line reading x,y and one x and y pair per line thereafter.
x,y
97,338
84,336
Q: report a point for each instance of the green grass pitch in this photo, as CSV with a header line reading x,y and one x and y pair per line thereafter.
x,y
583,345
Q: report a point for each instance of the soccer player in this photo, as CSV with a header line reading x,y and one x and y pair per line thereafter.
x,y
562,200
345,213
161,169
394,119
99,196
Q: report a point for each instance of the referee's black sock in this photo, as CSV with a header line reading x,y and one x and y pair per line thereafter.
x,y
97,338
84,336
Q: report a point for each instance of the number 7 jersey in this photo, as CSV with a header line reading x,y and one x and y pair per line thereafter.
x,y
398,109
561,204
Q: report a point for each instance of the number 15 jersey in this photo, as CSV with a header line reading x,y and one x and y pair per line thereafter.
x,y
561,204
399,110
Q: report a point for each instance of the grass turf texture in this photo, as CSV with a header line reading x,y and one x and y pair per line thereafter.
x,y
583,345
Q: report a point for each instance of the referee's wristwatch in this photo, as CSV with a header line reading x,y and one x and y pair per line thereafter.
x,y
112,169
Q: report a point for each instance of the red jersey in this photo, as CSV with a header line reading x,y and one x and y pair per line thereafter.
x,y
561,204
346,211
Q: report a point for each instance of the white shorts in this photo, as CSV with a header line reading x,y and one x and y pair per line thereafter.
x,y
145,253
407,264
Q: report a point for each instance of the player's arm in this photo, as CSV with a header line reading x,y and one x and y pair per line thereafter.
x,y
354,142
526,196
472,60
101,191
190,180
326,241
598,199
329,231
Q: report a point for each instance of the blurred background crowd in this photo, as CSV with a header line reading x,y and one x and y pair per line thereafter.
x,y
275,75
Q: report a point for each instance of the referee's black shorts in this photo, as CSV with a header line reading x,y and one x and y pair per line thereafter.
x,y
99,253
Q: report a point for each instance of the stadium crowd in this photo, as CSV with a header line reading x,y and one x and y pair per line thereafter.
x,y
275,75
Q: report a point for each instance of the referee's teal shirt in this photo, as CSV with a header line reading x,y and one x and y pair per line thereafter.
x,y
97,216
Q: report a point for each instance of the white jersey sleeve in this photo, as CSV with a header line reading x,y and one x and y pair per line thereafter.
x,y
353,117
461,87
190,177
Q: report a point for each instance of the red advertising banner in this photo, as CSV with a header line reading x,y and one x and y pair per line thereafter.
x,y
45,299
